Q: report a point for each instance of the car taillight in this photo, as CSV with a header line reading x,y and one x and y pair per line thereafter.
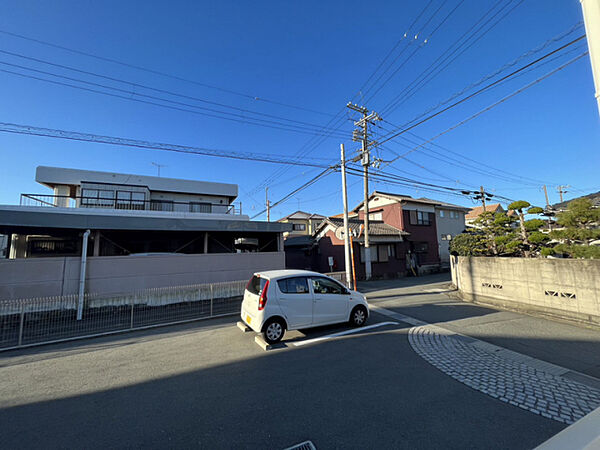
x,y
262,300
249,281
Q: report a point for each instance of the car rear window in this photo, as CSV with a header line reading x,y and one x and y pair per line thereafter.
x,y
256,284
297,285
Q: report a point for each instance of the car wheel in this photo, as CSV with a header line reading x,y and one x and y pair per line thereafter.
x,y
358,317
273,331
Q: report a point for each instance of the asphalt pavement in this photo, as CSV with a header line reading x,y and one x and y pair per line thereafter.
x,y
208,385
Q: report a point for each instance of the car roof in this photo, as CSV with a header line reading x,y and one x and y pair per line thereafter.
x,y
273,274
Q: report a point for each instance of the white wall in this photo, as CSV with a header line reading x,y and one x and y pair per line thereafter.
x,y
566,288
447,225
43,277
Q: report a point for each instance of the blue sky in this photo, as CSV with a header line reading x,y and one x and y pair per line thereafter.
x,y
312,54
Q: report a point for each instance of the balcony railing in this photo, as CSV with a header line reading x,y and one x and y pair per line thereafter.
x,y
66,201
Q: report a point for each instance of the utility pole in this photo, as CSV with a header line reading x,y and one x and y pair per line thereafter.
x,y
346,228
546,194
267,204
362,134
561,190
482,197
548,212
591,18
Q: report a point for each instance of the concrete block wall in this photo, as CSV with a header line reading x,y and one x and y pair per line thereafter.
x,y
566,288
44,277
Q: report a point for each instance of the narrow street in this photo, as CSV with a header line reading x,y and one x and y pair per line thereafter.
x,y
208,385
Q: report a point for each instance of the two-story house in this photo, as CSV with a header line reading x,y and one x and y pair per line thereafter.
x,y
303,223
157,223
401,229
474,213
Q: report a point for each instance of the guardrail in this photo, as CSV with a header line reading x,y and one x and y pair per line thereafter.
x,y
36,321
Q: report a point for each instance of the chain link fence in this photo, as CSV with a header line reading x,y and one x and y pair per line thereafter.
x,y
43,320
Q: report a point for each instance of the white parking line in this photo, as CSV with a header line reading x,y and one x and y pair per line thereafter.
x,y
343,333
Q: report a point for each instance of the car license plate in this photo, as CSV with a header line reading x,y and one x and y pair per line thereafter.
x,y
248,319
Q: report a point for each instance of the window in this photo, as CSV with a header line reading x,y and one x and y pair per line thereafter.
x,y
162,205
130,200
298,285
419,218
442,213
421,247
423,218
256,285
376,216
49,246
391,249
454,214
97,197
382,253
326,286
299,227
200,207
379,253
373,253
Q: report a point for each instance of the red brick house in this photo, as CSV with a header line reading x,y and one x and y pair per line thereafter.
x,y
388,248
414,216
400,226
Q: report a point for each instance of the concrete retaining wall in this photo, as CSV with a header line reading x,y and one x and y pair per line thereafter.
x,y
565,288
44,277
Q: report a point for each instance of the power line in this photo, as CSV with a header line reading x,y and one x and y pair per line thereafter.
x,y
518,91
401,97
410,42
282,170
393,49
239,119
425,41
485,88
127,142
405,158
295,191
163,74
408,182
138,85
497,71
335,122
476,166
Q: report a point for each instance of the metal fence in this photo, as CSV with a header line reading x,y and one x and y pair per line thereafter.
x,y
34,321
114,202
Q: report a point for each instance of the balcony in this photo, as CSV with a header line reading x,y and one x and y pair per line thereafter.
x,y
66,201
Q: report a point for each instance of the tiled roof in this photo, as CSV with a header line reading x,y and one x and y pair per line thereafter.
x,y
445,204
341,215
298,241
408,198
475,212
302,215
376,228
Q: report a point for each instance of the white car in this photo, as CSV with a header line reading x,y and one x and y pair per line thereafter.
x,y
280,300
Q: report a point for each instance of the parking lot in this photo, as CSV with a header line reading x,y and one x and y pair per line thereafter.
x,y
208,385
